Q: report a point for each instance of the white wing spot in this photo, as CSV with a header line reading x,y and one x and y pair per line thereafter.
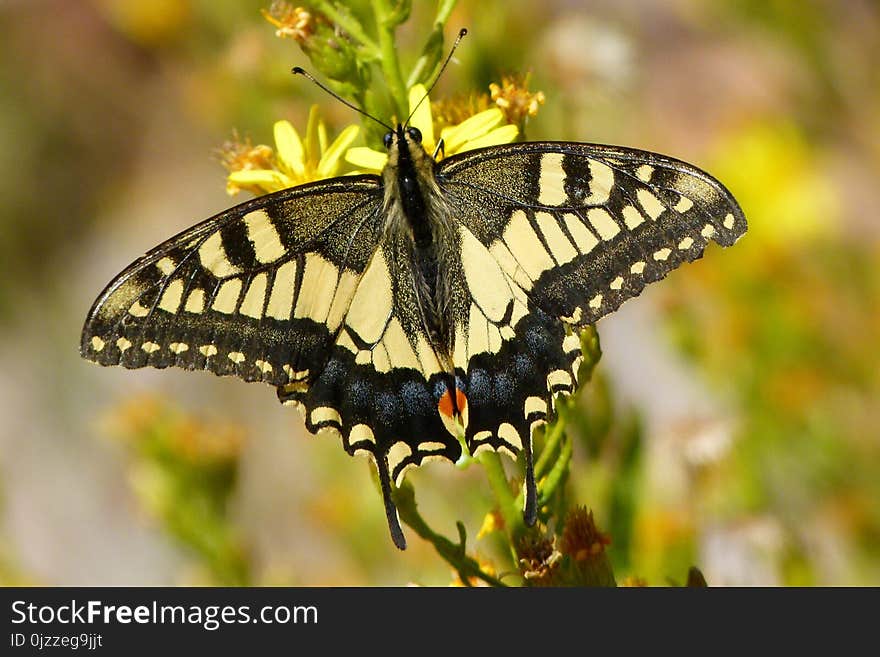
x,y
361,433
227,297
123,344
195,302
603,223
558,378
97,343
178,347
662,254
601,183
325,414
263,366
507,432
617,283
150,347
728,221
432,445
535,405
551,184
264,237
645,172
571,343
236,356
166,266
138,310
638,267
650,203
686,243
596,302
281,299
708,231
252,305
208,350
632,217
213,257
684,204
172,296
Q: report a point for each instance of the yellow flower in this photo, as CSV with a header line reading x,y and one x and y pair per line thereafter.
x,y
487,128
513,97
294,162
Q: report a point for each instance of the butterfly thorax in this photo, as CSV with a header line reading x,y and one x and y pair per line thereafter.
x,y
418,215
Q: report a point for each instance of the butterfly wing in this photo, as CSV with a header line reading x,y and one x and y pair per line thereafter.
x,y
553,236
257,292
300,289
382,384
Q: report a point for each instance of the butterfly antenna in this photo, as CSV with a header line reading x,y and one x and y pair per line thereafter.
x,y
297,70
461,34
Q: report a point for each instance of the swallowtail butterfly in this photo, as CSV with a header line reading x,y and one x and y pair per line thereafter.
x,y
437,300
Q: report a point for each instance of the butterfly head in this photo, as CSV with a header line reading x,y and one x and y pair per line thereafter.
x,y
402,134
406,154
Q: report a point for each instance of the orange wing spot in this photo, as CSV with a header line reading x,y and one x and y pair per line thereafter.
x,y
453,413
445,405
450,409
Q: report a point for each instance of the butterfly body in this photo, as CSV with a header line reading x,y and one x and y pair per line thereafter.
x,y
429,310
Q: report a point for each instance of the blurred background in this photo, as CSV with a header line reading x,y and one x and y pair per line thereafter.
x,y
734,422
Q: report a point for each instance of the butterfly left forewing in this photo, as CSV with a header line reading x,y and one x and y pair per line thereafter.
x,y
256,292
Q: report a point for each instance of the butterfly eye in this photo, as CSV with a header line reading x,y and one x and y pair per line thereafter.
x,y
415,134
387,139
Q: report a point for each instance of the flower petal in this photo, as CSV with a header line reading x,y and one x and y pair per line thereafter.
x,y
421,117
472,128
501,135
289,148
329,164
264,179
313,148
366,158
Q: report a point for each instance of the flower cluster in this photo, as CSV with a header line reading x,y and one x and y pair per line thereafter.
x,y
295,161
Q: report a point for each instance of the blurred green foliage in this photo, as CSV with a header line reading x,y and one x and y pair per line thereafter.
x,y
184,470
779,100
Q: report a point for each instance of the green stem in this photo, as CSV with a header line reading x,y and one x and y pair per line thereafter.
x,y
452,553
444,10
348,23
557,474
432,53
551,443
385,26
507,502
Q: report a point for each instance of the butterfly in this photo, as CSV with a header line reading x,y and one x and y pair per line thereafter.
x,y
423,312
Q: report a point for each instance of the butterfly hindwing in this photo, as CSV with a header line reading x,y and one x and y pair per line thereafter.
x,y
256,291
382,383
381,387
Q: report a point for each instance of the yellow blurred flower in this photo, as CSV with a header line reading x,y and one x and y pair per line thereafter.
x,y
297,23
513,97
487,128
294,161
